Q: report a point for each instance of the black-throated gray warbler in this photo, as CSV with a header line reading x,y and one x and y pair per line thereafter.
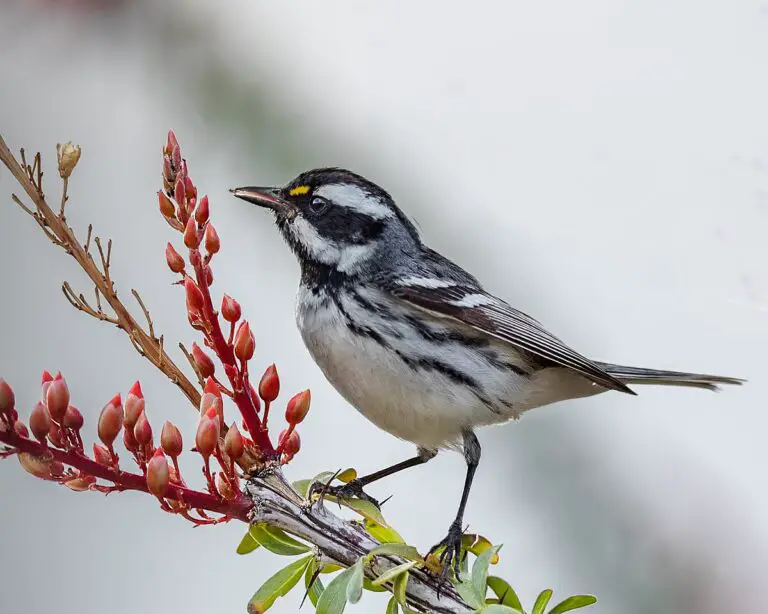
x,y
412,340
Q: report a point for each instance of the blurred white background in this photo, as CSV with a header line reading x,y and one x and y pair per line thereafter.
x,y
601,165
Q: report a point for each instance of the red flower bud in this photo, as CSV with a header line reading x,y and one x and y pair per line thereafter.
x,y
191,238
170,440
245,344
190,189
57,399
269,386
40,422
129,441
171,143
54,435
230,309
212,387
195,300
46,382
110,421
208,276
233,443
209,401
178,192
212,241
202,212
7,398
203,361
20,429
298,407
176,160
290,444
207,436
166,206
174,259
225,489
39,466
81,483
101,455
168,174
158,474
142,432
73,419
134,406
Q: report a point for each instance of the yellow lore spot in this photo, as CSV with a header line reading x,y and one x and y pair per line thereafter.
x,y
299,191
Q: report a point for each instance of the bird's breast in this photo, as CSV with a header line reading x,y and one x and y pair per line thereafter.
x,y
377,358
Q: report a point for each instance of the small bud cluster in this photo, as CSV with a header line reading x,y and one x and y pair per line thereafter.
x,y
180,206
51,447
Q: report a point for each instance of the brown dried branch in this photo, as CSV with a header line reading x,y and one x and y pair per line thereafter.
x,y
54,225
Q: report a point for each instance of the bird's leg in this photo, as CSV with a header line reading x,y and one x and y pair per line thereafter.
x,y
354,488
451,556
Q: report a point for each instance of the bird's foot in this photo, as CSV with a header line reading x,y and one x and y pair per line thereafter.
x,y
450,557
351,490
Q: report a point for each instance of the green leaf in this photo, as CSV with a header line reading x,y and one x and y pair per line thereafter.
x,y
355,584
500,609
276,540
505,593
302,487
334,597
573,603
399,588
277,586
392,606
480,570
385,535
467,592
541,601
316,588
392,573
247,544
369,586
402,550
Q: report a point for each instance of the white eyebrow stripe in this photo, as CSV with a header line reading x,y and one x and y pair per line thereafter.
x,y
354,197
473,300
426,282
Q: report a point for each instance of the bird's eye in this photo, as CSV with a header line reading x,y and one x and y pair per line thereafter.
x,y
318,205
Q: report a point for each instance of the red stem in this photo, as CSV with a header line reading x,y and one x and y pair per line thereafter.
x,y
226,355
238,508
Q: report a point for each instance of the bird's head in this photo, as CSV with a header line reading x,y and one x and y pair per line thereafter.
x,y
335,218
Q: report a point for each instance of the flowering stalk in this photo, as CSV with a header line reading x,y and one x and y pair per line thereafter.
x,y
55,452
122,480
193,220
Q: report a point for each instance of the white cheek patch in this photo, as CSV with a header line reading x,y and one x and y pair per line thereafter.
x,y
354,197
319,248
325,250
473,300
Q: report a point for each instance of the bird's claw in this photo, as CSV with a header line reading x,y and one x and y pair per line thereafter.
x,y
351,490
450,558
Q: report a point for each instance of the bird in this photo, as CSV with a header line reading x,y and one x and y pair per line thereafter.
x,y
412,340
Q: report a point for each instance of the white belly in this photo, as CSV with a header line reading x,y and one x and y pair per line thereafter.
x,y
399,393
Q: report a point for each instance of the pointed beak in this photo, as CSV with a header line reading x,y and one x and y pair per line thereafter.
x,y
265,197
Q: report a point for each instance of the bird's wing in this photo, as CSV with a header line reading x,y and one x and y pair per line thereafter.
x,y
476,308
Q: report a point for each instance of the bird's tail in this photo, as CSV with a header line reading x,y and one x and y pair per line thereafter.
x,y
637,375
